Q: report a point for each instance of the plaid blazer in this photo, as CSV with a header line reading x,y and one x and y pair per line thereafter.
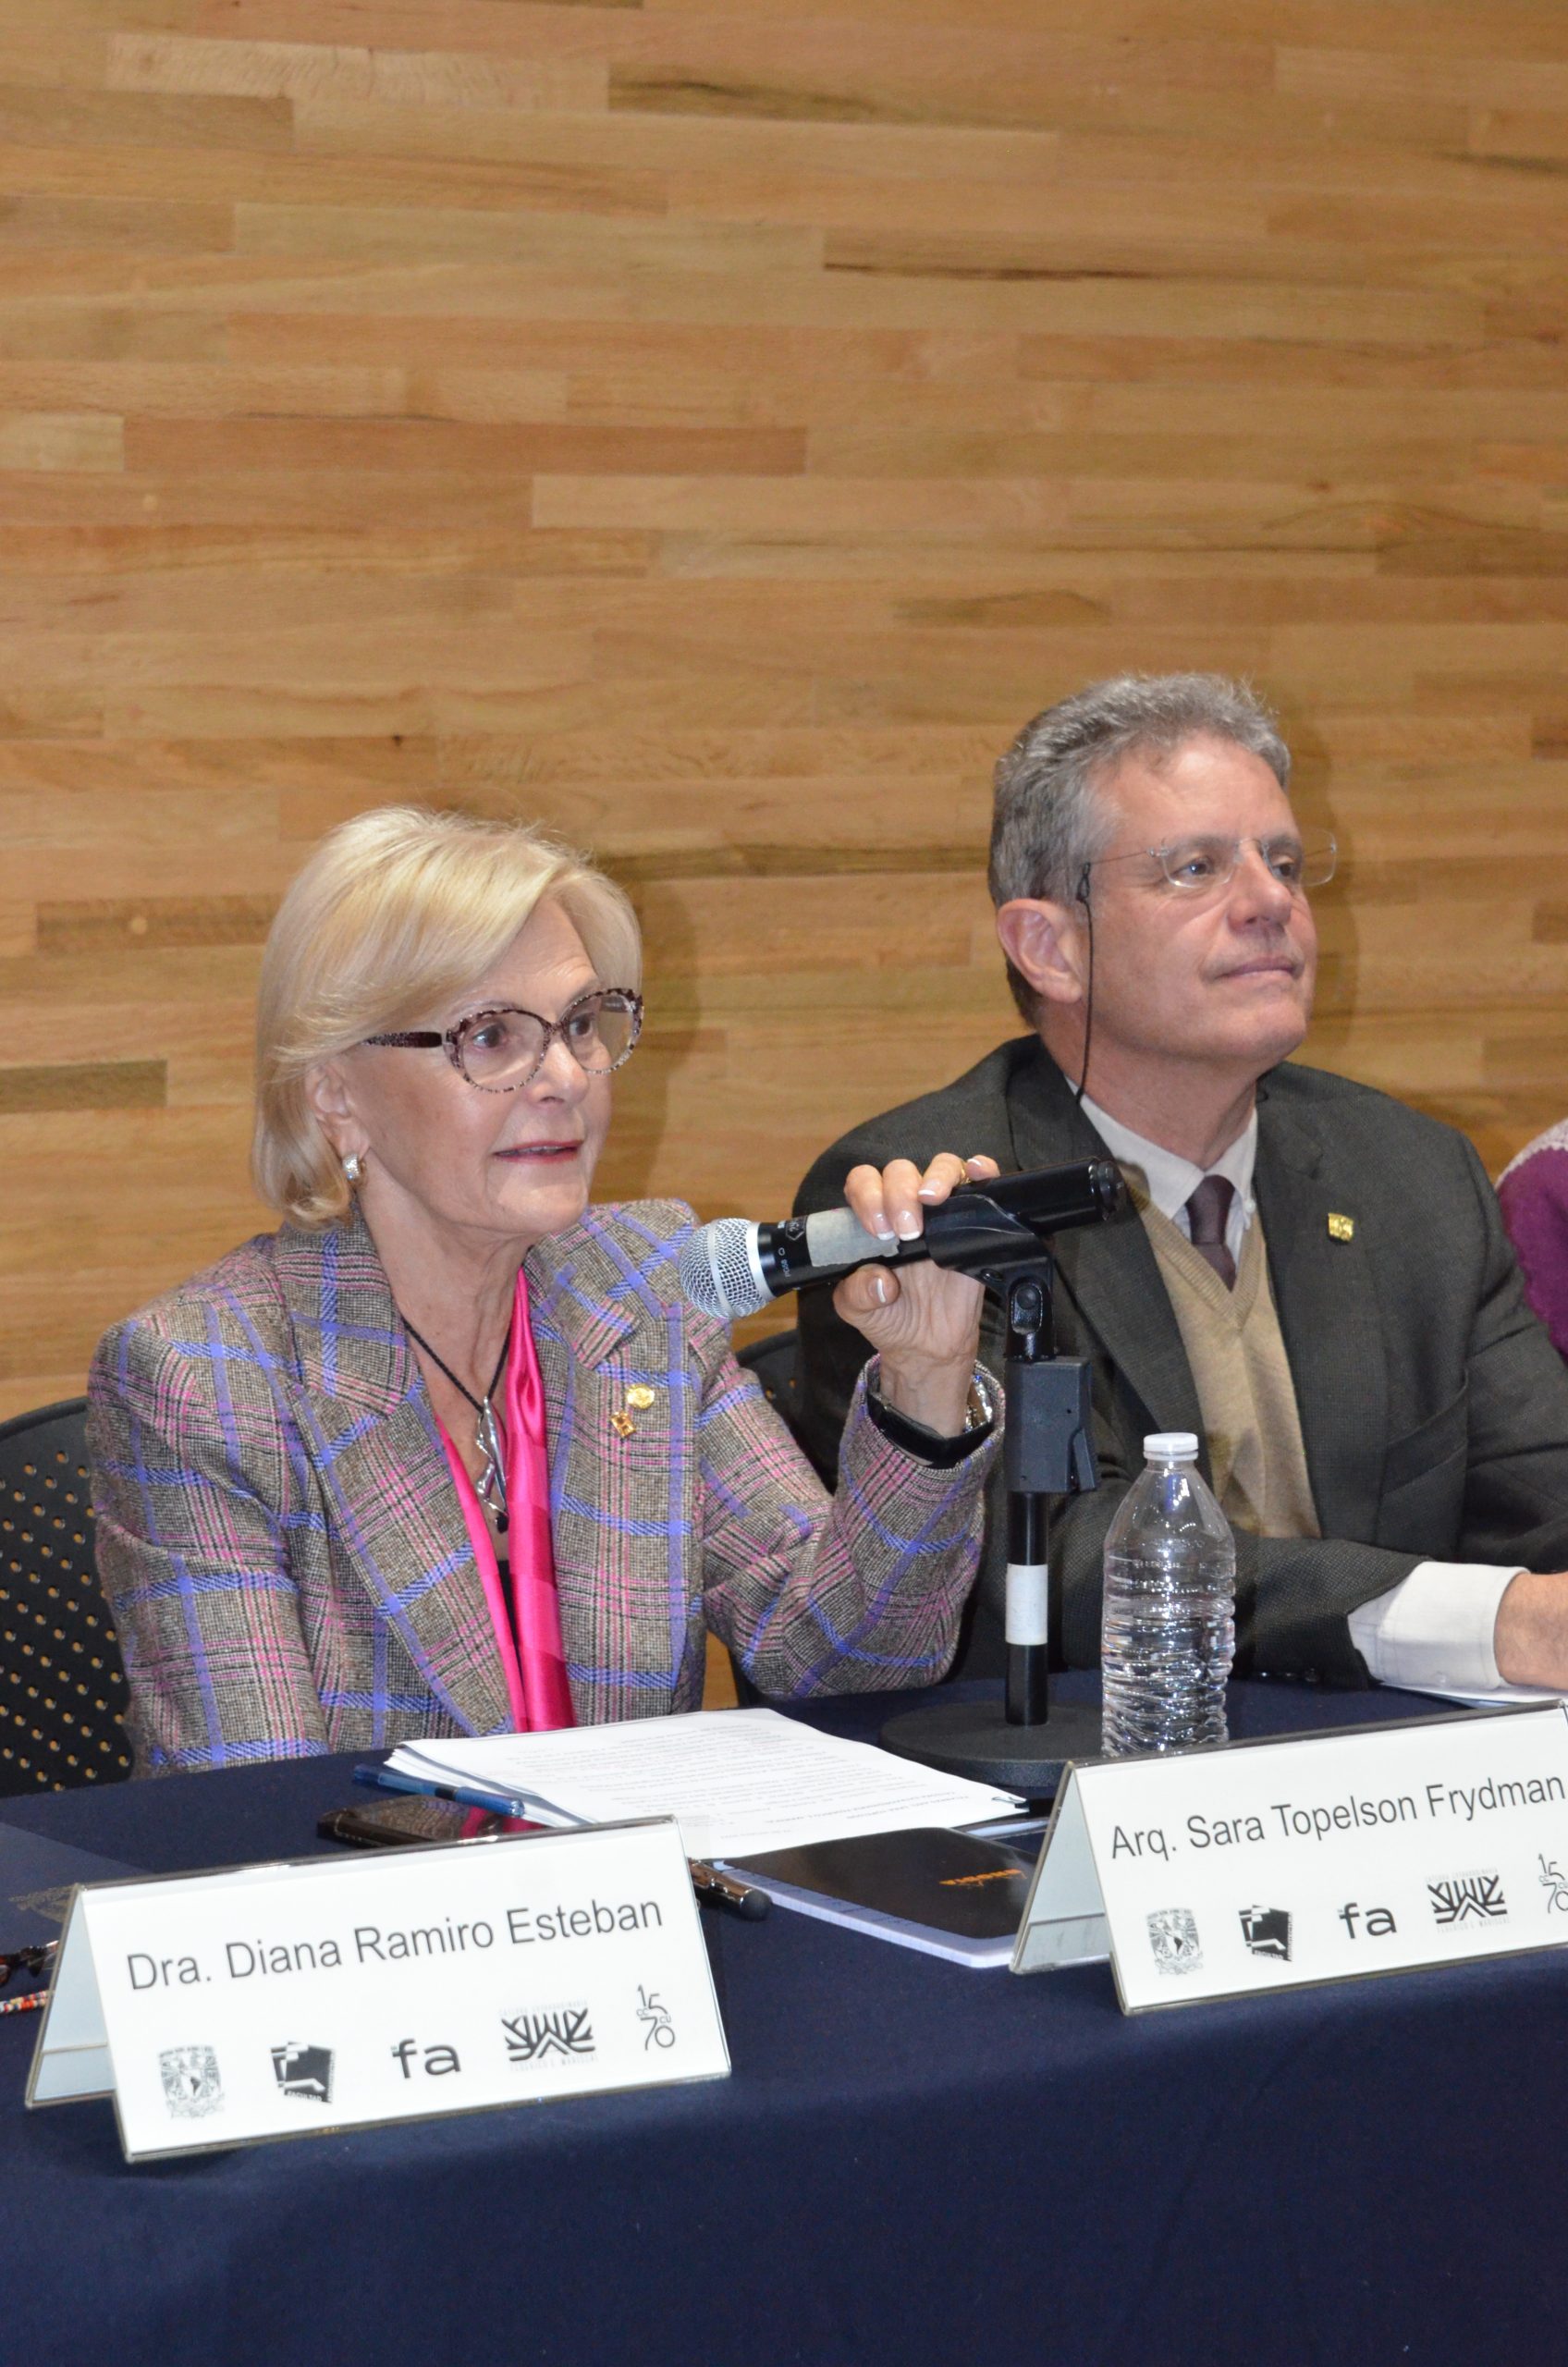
x,y
283,1549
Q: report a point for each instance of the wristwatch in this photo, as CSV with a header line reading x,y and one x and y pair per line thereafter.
x,y
931,1446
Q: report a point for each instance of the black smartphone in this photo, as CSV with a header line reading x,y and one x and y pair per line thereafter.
x,y
415,1822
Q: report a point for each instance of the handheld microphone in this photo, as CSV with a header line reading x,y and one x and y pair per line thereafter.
x,y
730,1269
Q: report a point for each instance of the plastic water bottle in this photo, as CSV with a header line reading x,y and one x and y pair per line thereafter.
x,y
1168,1633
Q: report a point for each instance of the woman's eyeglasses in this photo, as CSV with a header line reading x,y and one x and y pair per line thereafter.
x,y
504,1048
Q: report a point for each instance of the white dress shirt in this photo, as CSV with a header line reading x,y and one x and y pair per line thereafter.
x,y
1433,1633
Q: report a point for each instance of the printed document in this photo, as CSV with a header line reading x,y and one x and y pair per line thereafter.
x,y
737,1780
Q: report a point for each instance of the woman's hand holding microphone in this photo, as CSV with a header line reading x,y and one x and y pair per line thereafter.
x,y
922,1321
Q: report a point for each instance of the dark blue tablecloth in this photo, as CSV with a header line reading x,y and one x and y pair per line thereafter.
x,y
913,2163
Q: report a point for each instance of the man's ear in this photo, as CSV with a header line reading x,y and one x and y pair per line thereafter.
x,y
332,1104
1046,942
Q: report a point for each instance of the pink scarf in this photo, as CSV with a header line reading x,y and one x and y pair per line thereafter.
x,y
532,1658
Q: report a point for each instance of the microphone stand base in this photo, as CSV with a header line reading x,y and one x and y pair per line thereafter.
x,y
973,1738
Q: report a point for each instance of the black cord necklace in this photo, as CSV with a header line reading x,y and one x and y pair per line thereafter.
x,y
491,1488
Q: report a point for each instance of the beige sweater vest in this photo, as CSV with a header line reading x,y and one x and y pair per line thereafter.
x,y
1243,1375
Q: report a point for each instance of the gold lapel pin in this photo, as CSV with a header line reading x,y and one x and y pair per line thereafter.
x,y
639,1397
1341,1228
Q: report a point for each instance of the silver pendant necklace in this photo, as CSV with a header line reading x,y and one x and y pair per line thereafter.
x,y
491,1485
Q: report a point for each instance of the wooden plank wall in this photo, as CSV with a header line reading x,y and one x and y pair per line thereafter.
x,y
713,426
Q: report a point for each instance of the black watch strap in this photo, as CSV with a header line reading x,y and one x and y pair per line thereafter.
x,y
916,1438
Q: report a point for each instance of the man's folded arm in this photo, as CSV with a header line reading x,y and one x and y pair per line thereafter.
x,y
1438,1631
1435,1633
1295,1595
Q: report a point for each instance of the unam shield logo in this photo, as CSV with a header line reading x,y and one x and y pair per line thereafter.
x,y
191,2085
1173,1936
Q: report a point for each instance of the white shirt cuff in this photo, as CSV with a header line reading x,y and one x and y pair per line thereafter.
x,y
1433,1633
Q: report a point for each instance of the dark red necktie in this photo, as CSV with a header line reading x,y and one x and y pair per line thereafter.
x,y
1207,1213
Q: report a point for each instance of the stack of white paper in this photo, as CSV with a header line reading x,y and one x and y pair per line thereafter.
x,y
737,1780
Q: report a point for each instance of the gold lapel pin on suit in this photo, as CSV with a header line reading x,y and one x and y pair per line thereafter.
x,y
639,1397
1341,1228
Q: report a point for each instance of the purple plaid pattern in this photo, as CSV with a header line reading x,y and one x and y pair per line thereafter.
x,y
282,1545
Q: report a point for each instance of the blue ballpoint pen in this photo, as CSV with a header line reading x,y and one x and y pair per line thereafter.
x,y
384,1780
725,1889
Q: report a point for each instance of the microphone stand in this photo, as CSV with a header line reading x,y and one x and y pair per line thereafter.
x,y
1022,1744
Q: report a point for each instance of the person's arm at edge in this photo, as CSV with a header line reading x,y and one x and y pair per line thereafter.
x,y
1533,1197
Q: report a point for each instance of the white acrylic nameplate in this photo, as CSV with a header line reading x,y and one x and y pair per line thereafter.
x,y
1307,1857
269,2000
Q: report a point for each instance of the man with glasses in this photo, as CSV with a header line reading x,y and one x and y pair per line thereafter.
x,y
1311,1276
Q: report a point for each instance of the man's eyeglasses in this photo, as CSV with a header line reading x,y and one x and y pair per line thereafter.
x,y
502,1048
1202,866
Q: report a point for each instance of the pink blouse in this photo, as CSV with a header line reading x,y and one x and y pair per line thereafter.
x,y
529,1640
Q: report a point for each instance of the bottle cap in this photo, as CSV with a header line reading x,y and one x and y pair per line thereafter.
x,y
1172,1446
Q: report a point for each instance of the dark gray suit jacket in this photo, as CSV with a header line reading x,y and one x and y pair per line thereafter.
x,y
1433,1405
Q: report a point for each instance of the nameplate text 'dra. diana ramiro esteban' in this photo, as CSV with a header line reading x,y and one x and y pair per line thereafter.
x,y
271,2000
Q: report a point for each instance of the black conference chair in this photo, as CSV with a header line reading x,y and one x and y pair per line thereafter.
x,y
62,1683
774,1362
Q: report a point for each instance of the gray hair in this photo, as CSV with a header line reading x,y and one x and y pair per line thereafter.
x,y
1048,820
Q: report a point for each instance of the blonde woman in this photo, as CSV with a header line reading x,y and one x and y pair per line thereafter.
x,y
448,1453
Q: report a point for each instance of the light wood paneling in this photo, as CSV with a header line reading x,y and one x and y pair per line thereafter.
x,y
712,427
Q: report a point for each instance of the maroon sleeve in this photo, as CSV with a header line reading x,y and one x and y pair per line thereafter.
x,y
1533,1196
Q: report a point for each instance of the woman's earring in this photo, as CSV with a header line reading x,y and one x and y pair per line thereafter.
x,y
353,1168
